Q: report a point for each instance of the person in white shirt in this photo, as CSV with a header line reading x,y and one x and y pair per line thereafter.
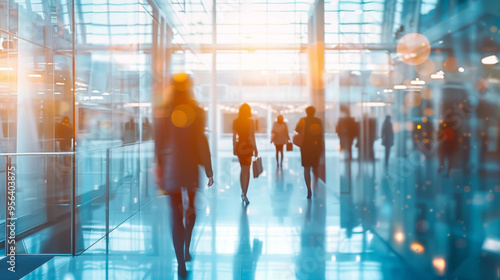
x,y
279,136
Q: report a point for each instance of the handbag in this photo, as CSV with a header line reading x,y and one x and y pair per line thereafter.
x,y
257,167
298,138
289,146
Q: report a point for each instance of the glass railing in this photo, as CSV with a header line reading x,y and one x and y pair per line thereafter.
x,y
62,203
36,193
112,184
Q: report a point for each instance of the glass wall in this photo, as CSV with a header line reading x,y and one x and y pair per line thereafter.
x,y
36,113
76,85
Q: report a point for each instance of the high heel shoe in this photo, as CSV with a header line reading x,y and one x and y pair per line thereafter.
x,y
182,272
244,199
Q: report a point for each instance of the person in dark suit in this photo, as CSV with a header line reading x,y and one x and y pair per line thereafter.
x,y
447,145
312,146
347,130
387,137
244,146
181,145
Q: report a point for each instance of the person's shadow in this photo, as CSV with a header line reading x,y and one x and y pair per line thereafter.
x,y
282,192
311,260
245,260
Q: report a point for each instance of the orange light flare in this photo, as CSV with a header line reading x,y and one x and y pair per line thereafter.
x,y
450,64
417,248
413,48
439,265
316,52
426,68
399,237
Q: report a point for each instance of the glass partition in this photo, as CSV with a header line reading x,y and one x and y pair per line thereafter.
x,y
39,190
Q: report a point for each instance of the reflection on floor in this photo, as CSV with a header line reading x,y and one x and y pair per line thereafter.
x,y
280,235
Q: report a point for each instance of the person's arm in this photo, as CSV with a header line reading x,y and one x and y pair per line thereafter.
x,y
252,137
322,135
298,127
287,134
204,152
273,133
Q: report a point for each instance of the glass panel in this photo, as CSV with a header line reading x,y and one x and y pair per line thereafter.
x,y
42,188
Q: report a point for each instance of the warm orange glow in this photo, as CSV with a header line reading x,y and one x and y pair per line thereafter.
x,y
183,116
429,112
450,64
399,237
417,247
414,48
426,68
379,79
440,265
316,53
412,99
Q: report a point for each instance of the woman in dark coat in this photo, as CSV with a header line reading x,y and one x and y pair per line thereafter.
x,y
312,146
387,137
244,146
181,146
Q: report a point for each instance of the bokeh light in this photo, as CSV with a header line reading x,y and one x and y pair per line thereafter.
x,y
412,99
440,265
450,64
413,48
426,68
417,247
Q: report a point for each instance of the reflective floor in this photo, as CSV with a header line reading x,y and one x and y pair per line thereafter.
x,y
279,235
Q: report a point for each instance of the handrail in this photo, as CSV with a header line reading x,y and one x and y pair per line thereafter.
x,y
72,153
116,146
36,154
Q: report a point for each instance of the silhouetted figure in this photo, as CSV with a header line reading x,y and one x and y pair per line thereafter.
x,y
367,138
129,131
313,145
64,134
448,144
147,131
279,137
387,137
181,145
244,146
347,131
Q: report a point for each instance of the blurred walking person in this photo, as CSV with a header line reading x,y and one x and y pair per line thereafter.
x,y
279,137
387,137
347,130
244,146
312,145
181,145
447,146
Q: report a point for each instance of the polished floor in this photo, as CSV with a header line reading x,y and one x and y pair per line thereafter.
x,y
279,235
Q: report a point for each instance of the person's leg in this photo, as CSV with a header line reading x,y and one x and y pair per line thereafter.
x,y
178,231
190,220
441,159
245,180
280,150
277,153
307,178
387,151
448,159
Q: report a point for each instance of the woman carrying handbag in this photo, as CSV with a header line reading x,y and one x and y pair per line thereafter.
x,y
310,139
244,146
279,137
